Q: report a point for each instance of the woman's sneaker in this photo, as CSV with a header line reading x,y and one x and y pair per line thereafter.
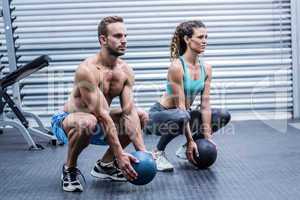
x,y
181,152
162,163
108,171
70,179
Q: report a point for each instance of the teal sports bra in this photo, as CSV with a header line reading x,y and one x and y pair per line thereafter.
x,y
191,87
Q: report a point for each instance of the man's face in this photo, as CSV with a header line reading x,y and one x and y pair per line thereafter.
x,y
115,41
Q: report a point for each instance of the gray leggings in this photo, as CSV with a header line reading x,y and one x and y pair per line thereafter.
x,y
169,123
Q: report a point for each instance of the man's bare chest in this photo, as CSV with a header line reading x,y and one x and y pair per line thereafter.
x,y
112,83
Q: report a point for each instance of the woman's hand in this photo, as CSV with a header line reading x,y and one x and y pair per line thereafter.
x,y
191,151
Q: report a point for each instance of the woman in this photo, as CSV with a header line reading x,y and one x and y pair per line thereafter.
x,y
188,76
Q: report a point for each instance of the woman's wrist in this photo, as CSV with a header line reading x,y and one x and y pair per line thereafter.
x,y
189,140
207,135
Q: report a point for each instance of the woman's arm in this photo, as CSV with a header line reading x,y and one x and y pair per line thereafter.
x,y
175,78
205,104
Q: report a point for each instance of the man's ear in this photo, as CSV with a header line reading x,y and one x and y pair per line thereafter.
x,y
102,40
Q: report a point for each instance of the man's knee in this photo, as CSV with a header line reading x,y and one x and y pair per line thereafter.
x,y
87,125
143,117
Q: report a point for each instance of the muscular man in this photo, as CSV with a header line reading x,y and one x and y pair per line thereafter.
x,y
87,117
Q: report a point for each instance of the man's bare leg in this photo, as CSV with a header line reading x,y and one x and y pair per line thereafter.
x,y
79,127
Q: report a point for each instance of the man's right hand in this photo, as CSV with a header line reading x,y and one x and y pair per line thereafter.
x,y
124,161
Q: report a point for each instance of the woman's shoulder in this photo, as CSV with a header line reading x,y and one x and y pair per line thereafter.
x,y
175,70
175,65
208,68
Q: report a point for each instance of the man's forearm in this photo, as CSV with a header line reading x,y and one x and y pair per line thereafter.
x,y
112,137
134,127
138,142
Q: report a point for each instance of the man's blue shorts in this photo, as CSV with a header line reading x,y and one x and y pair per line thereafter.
x,y
98,137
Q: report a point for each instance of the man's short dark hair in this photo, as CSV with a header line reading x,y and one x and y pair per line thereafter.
x,y
102,26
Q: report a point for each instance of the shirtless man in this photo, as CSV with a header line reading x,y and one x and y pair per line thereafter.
x,y
87,117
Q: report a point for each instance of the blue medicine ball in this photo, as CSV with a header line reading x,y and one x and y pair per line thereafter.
x,y
146,168
207,153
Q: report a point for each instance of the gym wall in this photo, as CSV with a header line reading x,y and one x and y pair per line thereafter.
x,y
249,47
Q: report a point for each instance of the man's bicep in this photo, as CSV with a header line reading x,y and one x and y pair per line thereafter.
x,y
92,97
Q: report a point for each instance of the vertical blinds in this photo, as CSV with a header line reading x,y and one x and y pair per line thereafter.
x,y
249,47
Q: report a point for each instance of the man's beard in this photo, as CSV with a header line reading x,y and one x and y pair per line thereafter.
x,y
114,52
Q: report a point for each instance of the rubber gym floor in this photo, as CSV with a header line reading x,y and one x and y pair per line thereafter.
x,y
256,160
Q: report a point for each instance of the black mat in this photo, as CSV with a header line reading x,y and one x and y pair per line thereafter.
x,y
255,162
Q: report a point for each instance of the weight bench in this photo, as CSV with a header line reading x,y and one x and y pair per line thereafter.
x,y
8,118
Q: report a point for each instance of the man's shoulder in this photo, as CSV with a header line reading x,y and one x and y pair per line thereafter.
x,y
125,66
82,68
85,69
123,63
88,61
87,64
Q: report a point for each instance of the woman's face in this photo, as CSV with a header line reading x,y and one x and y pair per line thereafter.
x,y
198,41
